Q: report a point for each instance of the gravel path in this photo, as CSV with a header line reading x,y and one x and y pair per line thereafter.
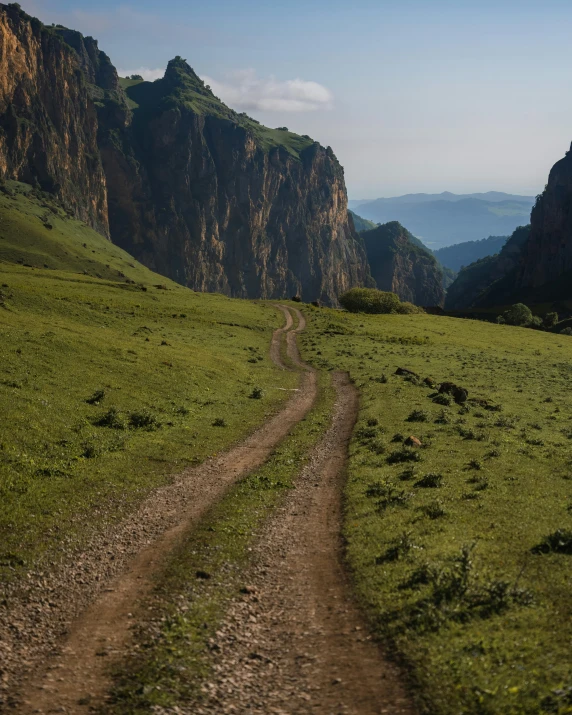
x,y
295,642
56,629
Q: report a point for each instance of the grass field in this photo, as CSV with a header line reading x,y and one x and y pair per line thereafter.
x,y
112,379
461,549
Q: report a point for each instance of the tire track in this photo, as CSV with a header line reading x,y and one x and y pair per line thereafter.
x,y
125,560
296,643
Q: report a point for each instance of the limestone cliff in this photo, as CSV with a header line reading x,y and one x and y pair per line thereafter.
x,y
401,264
547,257
192,189
48,122
220,203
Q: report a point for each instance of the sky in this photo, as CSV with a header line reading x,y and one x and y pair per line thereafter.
x,y
412,95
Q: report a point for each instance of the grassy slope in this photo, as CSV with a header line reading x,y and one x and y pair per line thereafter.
x,y
180,358
474,643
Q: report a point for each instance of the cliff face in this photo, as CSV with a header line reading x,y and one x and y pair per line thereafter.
x,y
492,280
400,264
548,254
48,123
192,189
195,194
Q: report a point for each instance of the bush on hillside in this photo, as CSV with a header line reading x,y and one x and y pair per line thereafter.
x,y
550,320
518,314
369,300
407,308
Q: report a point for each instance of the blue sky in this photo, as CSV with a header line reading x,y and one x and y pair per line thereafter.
x,y
412,96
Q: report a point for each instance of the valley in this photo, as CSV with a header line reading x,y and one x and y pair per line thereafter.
x,y
264,449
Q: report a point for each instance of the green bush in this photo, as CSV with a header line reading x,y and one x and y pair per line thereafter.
x,y
369,300
550,320
518,314
407,308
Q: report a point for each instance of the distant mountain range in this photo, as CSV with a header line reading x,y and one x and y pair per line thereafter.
x,y
444,219
463,254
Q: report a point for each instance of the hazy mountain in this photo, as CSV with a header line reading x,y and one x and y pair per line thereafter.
x,y
445,219
463,254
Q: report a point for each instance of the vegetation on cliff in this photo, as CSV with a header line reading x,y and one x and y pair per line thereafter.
x,y
361,224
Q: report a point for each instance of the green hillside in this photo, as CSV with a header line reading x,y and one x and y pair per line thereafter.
x,y
112,378
361,224
182,87
461,547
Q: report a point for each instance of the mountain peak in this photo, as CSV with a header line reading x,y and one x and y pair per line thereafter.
x,y
179,73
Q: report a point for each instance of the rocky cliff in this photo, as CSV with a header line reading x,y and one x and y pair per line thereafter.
x,y
192,189
547,257
48,121
401,264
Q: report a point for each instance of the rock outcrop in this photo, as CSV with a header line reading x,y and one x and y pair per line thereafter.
x,y
192,189
401,264
547,257
48,121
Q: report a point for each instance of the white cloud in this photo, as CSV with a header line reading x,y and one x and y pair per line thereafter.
x,y
146,72
244,90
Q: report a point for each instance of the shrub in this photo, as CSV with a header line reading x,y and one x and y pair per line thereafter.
x,y
143,420
566,331
550,320
407,474
559,542
257,393
441,399
111,418
430,481
407,308
96,398
369,300
418,416
387,495
404,455
518,314
536,322
402,546
382,379
434,510
219,422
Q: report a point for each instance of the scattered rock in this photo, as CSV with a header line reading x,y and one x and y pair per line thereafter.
x,y
412,441
459,394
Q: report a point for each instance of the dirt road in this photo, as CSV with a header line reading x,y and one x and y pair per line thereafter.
x,y
296,643
93,598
